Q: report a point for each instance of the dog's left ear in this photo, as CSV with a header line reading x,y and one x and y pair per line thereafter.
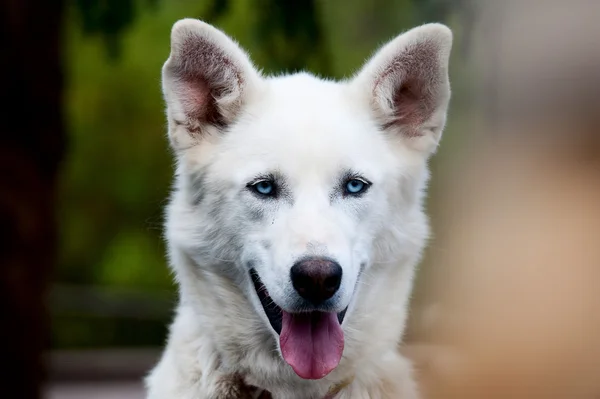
x,y
406,85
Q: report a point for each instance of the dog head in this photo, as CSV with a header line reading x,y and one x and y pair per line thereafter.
x,y
295,185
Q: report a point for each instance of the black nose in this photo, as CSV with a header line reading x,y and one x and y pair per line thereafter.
x,y
316,279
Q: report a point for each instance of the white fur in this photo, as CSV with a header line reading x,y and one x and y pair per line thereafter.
x,y
309,131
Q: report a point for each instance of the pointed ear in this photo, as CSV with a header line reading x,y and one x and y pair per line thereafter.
x,y
406,85
206,81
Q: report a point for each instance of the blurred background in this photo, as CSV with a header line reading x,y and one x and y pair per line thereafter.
x,y
507,301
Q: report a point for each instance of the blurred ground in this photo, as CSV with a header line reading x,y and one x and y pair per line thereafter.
x,y
98,374
95,390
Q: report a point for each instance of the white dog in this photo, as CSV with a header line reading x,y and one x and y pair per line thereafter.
x,y
296,220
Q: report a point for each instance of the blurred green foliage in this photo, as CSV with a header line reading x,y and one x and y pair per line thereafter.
x,y
117,174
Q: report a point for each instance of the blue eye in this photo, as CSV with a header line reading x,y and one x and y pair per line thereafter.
x,y
355,186
264,187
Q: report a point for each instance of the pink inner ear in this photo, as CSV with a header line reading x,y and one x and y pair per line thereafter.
x,y
199,103
202,74
414,75
412,106
195,97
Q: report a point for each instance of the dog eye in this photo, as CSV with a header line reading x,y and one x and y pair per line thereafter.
x,y
356,186
264,187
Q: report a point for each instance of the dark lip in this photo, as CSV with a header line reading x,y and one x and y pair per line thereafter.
x,y
272,310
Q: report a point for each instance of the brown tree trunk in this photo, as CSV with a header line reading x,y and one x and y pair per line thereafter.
x,y
31,146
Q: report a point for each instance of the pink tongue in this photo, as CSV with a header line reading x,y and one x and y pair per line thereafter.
x,y
312,343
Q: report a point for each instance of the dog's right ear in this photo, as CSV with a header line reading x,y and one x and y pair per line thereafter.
x,y
205,81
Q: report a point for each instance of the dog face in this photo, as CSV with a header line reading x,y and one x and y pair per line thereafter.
x,y
293,185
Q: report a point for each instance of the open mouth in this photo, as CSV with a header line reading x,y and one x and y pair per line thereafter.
x,y
311,342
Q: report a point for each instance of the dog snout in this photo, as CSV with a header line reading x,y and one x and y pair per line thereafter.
x,y
316,279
